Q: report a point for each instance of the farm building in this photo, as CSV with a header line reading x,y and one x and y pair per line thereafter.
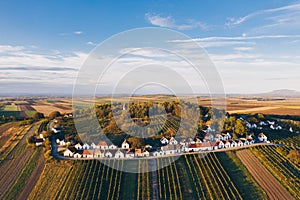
x,y
164,140
125,145
262,137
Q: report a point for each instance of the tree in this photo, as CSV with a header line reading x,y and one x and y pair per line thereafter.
x,y
54,114
135,143
240,128
38,116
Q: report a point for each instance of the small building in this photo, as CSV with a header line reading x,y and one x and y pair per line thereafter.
x,y
173,141
215,145
221,145
233,143
98,153
205,146
219,137
164,141
108,154
262,137
102,145
86,146
125,145
227,144
119,154
129,154
240,143
93,146
194,147
158,153
112,146
77,155
68,153
138,153
88,154
145,153
78,146
39,141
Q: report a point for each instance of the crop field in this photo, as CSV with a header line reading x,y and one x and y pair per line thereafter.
x,y
287,173
189,177
263,176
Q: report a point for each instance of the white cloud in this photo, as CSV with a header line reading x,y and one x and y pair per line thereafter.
x,y
21,64
243,48
78,32
289,8
90,43
169,22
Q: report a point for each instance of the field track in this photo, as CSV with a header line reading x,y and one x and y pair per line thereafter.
x,y
273,189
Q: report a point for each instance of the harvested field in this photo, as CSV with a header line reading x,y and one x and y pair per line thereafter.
x,y
263,177
47,109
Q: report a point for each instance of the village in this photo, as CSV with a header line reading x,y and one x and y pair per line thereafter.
x,y
168,146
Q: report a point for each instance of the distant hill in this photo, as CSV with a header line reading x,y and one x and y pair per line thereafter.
x,y
282,93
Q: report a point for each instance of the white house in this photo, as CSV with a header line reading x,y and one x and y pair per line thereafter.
x,y
125,145
240,143
77,155
246,142
93,146
218,136
112,146
227,144
78,146
108,154
86,146
164,140
68,153
173,141
119,154
262,137
158,153
129,154
145,153
233,144
221,145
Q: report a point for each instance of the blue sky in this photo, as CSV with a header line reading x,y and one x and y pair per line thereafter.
x,y
255,45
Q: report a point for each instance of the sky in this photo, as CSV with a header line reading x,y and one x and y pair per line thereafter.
x,y
255,45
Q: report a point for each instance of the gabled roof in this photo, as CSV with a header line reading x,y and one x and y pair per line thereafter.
x,y
261,135
102,143
87,152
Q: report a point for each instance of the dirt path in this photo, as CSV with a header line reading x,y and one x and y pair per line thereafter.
x,y
263,177
33,178
152,167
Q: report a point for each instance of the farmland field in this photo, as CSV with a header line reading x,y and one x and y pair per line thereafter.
x,y
190,177
263,176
